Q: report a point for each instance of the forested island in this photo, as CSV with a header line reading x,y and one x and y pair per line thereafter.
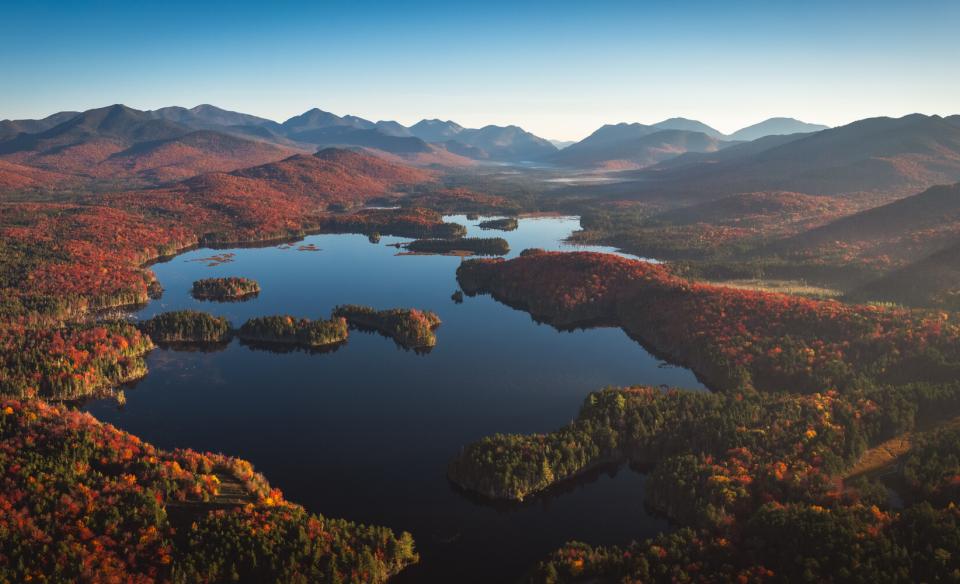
x,y
469,245
504,224
409,327
406,222
225,289
296,331
187,326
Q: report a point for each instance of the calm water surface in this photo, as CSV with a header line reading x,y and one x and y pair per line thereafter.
x,y
365,432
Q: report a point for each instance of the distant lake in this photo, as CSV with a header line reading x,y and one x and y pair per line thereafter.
x,y
365,432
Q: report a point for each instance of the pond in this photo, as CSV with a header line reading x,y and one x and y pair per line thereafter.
x,y
365,432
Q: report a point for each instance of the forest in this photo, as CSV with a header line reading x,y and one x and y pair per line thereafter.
x,y
83,501
504,224
225,289
763,459
187,326
297,331
733,339
409,327
471,245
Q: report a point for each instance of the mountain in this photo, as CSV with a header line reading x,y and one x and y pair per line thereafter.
x,y
507,143
207,116
88,139
905,230
117,122
10,128
316,119
194,153
391,128
775,127
436,130
887,157
321,128
368,138
118,142
334,170
274,199
688,126
561,144
698,161
626,146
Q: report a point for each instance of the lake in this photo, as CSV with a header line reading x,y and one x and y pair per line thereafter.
x,y
365,432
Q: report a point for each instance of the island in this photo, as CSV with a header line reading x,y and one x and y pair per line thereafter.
x,y
504,224
225,289
285,329
407,222
409,327
463,246
187,326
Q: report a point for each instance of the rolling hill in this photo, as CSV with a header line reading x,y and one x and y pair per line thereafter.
x,y
273,199
933,281
903,231
15,177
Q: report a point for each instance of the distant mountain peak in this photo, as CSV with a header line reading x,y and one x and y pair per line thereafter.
x,y
688,125
777,126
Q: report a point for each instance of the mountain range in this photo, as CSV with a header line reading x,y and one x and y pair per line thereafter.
x,y
886,157
156,146
635,146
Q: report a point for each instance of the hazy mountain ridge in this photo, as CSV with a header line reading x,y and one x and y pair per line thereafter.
x,y
11,128
625,146
884,156
118,142
775,127
319,128
620,146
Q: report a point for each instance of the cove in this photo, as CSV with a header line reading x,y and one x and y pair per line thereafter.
x,y
366,431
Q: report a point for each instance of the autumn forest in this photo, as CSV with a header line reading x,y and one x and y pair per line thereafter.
x,y
332,349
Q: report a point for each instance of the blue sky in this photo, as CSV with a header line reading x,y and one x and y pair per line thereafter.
x,y
560,69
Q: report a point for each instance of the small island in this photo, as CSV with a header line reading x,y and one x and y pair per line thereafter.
x,y
505,224
409,327
187,326
294,331
464,246
225,289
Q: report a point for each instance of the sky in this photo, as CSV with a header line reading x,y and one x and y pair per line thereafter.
x,y
559,69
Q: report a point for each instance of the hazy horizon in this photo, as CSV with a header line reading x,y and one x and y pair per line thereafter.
x,y
558,70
